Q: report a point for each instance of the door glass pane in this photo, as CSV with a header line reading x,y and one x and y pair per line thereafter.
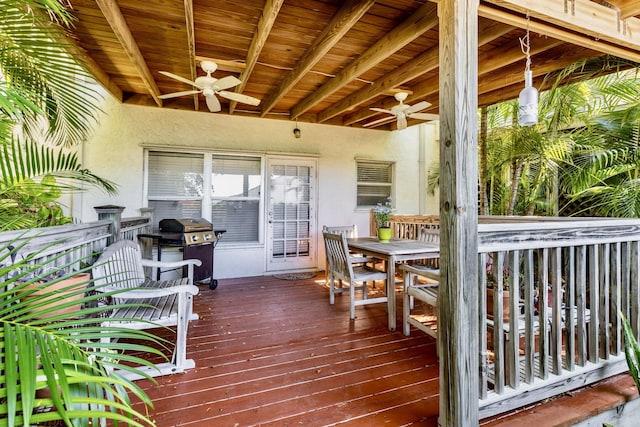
x,y
290,201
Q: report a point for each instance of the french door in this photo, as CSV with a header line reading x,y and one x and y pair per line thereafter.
x,y
291,222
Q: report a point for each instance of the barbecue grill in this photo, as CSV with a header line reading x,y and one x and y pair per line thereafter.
x,y
197,240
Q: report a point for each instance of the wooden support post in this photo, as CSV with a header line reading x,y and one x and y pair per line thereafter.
x,y
458,311
114,214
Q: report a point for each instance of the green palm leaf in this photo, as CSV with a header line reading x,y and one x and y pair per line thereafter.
x,y
44,350
631,350
40,63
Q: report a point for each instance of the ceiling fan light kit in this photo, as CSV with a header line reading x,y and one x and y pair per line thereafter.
x,y
209,87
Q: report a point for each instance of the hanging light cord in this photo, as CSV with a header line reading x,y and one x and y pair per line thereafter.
x,y
526,47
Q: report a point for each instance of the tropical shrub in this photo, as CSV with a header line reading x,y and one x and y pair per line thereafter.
x,y
60,366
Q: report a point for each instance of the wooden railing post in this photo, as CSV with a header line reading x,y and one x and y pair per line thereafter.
x,y
146,245
114,214
458,312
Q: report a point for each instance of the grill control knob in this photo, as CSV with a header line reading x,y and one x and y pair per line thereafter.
x,y
194,238
207,236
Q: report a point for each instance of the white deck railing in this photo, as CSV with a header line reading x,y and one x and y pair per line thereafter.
x,y
80,244
585,269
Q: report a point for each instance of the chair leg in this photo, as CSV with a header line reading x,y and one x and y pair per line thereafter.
x,y
332,289
406,304
352,301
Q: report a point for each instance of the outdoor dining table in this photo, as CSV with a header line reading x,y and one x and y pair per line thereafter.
x,y
393,251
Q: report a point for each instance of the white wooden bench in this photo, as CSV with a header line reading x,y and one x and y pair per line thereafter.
x,y
154,303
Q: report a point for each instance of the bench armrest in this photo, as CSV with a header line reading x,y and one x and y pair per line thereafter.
x,y
172,264
143,293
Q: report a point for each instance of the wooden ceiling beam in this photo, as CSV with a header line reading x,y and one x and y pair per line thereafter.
x,y
92,67
582,16
484,37
627,8
114,17
191,43
348,15
265,23
424,19
223,64
101,76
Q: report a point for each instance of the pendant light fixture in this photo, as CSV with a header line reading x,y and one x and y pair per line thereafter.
x,y
528,99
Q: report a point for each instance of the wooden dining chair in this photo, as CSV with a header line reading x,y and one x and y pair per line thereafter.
x,y
342,266
425,291
347,231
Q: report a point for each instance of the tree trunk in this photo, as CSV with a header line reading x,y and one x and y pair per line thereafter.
x,y
517,170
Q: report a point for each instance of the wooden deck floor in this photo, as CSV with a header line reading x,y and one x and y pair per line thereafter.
x,y
273,352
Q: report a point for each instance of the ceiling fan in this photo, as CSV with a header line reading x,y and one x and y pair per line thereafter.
x,y
210,87
403,111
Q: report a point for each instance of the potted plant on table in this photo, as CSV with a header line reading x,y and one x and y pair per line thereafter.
x,y
381,214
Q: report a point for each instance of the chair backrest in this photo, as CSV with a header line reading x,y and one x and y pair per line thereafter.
x,y
120,265
346,230
338,256
430,235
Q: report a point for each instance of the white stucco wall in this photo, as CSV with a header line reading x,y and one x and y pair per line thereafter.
x,y
116,152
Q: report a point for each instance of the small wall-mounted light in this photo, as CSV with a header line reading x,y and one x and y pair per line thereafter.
x,y
296,131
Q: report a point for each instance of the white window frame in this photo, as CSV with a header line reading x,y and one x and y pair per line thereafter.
x,y
390,185
207,198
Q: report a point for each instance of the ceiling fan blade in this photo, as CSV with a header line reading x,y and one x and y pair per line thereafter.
x,y
378,122
402,121
245,99
213,104
227,82
176,94
425,116
381,110
181,79
418,107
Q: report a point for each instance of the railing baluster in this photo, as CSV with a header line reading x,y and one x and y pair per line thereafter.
x,y
513,352
556,310
482,333
615,292
603,319
529,317
570,307
594,302
581,303
498,342
543,311
634,317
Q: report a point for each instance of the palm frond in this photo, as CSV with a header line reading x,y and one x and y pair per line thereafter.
x,y
45,349
38,60
21,162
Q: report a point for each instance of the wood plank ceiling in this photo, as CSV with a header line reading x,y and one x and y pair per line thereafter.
x,y
330,61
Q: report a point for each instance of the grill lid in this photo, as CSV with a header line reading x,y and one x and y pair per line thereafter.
x,y
185,225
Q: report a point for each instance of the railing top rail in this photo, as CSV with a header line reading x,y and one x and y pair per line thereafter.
x,y
502,237
52,233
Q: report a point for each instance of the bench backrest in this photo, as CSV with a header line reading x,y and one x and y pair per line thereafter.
x,y
120,265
